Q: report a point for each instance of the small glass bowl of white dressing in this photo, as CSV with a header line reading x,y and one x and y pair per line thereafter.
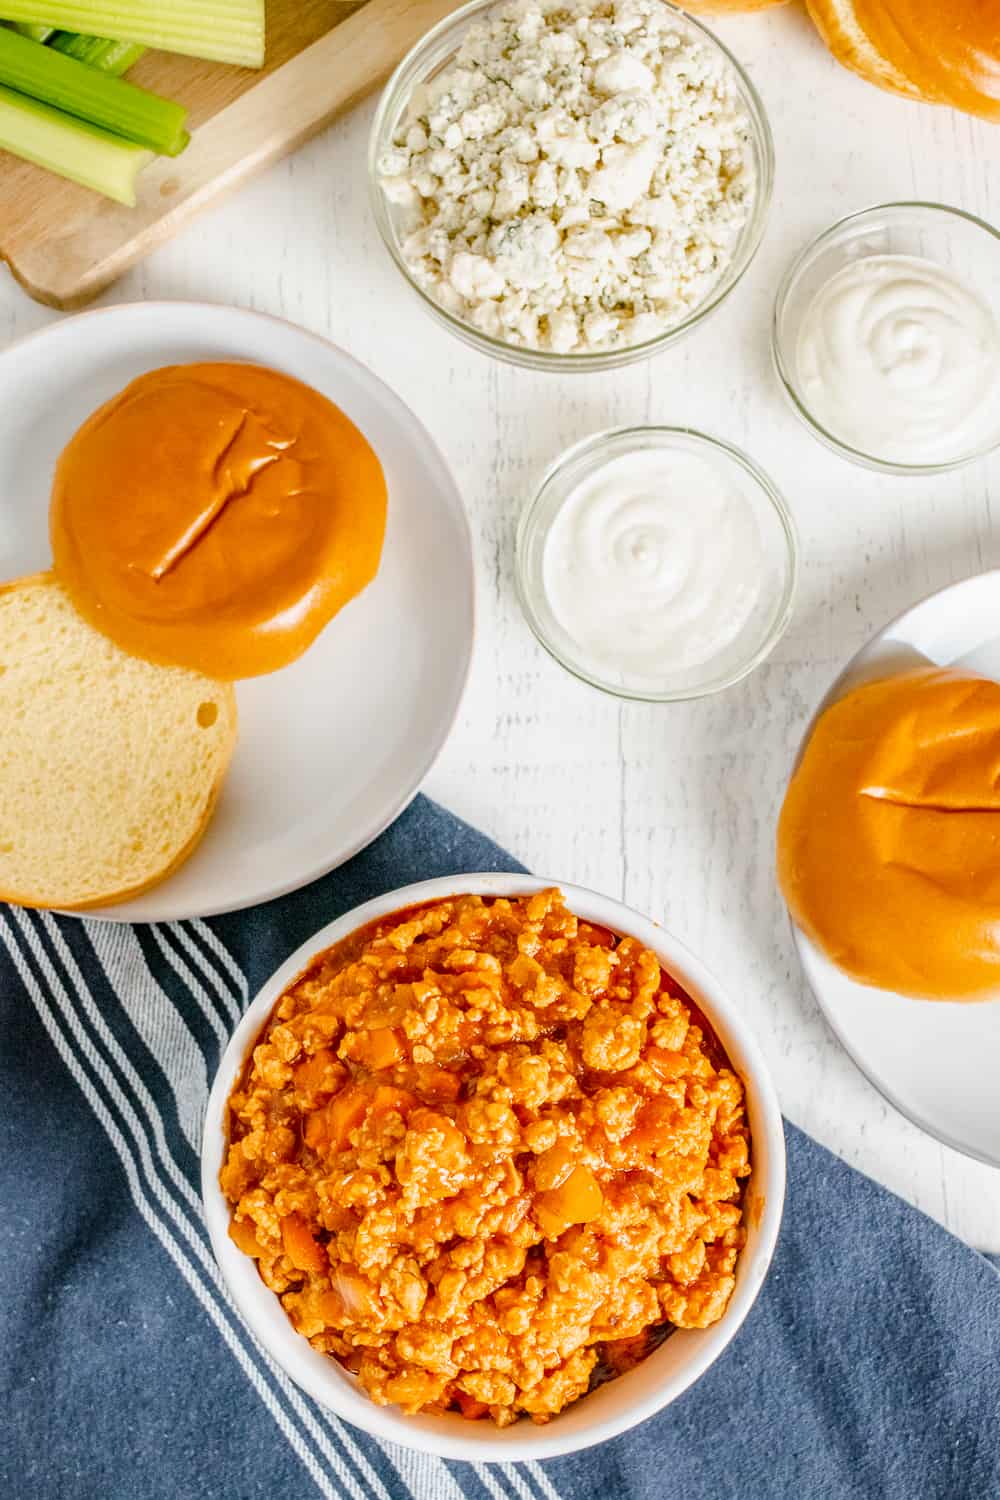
x,y
886,337
657,563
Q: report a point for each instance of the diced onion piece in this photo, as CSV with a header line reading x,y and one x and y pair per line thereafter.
x,y
389,1100
553,1166
470,1408
577,1200
439,1082
302,1247
345,1113
351,1299
243,1233
667,1064
656,1127
313,1073
378,1049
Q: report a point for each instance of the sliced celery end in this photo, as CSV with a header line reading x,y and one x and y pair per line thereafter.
x,y
91,157
33,33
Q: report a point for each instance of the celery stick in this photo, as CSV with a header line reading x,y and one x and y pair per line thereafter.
x,y
114,58
110,103
223,30
80,152
34,33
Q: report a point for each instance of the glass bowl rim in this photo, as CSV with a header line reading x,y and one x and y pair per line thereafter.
x,y
782,369
765,485
751,235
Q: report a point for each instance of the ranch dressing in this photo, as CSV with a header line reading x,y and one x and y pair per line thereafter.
x,y
653,564
898,360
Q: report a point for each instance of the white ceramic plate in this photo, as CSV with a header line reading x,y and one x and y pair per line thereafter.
x,y
613,1407
334,746
938,1063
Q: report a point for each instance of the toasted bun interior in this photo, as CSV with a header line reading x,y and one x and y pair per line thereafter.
x,y
109,766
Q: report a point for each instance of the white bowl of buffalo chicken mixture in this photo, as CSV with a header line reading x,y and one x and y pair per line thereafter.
x,y
571,183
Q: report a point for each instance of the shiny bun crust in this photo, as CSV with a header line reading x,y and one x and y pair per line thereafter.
x,y
940,51
720,7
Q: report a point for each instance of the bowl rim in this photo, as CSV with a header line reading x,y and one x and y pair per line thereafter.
x,y
782,365
748,244
319,1376
764,484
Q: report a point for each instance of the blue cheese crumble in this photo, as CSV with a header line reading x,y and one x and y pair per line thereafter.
x,y
577,177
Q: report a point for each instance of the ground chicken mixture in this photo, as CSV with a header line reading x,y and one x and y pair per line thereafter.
x,y
486,1155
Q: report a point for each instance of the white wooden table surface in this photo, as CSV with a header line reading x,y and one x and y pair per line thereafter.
x,y
670,808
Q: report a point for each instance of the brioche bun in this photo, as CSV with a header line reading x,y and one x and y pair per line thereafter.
x,y
941,51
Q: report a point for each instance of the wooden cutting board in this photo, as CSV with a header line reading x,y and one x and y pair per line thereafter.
x,y
65,244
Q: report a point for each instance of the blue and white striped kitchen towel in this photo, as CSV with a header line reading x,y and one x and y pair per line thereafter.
x,y
869,1367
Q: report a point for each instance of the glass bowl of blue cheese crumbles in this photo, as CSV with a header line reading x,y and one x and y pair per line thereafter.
x,y
571,183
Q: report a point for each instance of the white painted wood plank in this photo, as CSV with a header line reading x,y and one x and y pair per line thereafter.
x,y
674,808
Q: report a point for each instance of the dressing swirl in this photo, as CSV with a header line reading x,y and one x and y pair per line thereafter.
x,y
900,361
653,561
